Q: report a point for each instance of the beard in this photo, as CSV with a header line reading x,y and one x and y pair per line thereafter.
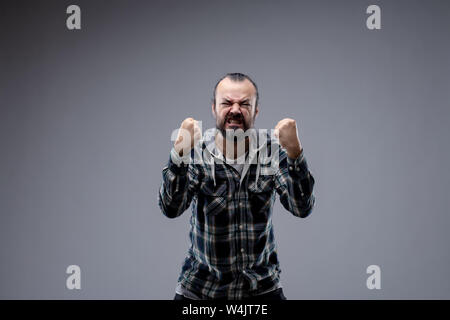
x,y
233,123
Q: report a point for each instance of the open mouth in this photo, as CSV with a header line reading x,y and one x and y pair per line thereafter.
x,y
234,122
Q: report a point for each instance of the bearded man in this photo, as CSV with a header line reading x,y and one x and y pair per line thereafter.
x,y
232,188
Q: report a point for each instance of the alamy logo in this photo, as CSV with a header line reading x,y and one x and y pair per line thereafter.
x,y
73,21
373,22
374,280
263,146
74,279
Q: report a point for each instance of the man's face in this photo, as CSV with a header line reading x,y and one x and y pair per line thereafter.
x,y
235,105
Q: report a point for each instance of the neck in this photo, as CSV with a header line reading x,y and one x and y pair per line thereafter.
x,y
231,149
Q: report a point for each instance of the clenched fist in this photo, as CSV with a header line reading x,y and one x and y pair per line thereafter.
x,y
188,134
286,132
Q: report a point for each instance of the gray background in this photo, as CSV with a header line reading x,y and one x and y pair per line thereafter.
x,y
86,118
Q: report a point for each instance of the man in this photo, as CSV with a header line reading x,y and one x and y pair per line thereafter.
x,y
233,253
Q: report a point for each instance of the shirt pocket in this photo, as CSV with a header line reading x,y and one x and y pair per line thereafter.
x,y
216,198
260,195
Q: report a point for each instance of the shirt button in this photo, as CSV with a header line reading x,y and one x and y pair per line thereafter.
x,y
240,226
242,250
302,194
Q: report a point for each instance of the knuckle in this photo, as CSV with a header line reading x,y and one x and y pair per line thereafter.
x,y
188,123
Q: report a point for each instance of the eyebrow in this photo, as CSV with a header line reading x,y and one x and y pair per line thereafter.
x,y
247,100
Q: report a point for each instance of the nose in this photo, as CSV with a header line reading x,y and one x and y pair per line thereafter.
x,y
235,108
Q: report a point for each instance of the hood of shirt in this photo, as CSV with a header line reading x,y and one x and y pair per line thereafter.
x,y
258,143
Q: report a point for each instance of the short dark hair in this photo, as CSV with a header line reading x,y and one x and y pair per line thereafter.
x,y
236,77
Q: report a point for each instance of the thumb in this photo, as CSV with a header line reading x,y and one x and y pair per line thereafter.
x,y
276,133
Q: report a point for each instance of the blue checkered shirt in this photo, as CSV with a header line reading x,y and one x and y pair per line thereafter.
x,y
233,254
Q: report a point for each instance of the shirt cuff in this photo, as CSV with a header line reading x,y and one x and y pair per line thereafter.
x,y
298,167
177,159
177,164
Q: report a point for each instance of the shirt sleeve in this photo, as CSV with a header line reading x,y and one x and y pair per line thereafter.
x,y
179,185
294,184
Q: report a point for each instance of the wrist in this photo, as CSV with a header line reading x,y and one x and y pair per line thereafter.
x,y
294,153
180,149
177,159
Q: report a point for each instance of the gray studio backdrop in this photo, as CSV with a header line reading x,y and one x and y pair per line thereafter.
x,y
86,118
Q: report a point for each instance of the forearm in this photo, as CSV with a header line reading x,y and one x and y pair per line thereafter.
x,y
296,186
174,195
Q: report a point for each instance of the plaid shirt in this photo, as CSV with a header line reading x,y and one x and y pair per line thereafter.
x,y
233,253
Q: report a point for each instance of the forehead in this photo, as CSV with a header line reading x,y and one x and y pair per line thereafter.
x,y
235,89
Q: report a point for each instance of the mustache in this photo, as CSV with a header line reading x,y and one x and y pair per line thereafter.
x,y
234,117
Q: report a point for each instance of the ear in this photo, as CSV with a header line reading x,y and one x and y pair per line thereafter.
x,y
213,110
256,111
